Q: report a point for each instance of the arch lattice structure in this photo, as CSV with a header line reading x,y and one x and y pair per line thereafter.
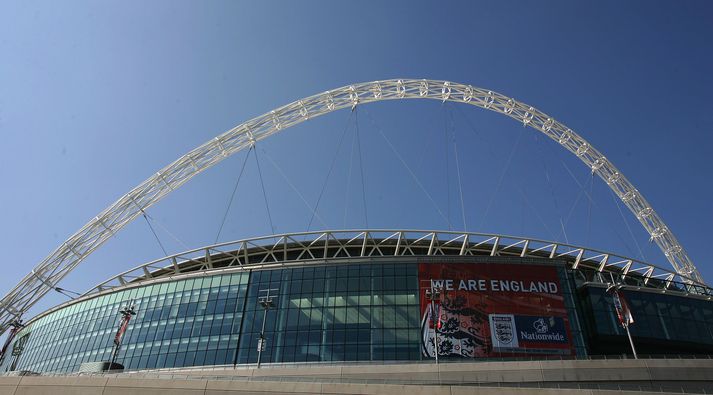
x,y
69,254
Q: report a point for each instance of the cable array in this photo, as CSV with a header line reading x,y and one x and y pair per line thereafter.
x,y
74,250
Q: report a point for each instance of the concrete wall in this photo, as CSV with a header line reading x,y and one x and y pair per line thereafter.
x,y
402,379
644,371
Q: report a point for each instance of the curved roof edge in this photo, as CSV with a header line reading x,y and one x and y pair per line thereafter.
x,y
290,249
359,243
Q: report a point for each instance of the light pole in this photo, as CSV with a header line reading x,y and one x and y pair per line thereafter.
x,y
623,312
266,302
126,314
15,327
433,293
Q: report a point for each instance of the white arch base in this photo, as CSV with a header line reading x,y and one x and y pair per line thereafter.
x,y
69,254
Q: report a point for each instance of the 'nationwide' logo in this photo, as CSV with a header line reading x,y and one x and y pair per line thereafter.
x,y
541,332
540,325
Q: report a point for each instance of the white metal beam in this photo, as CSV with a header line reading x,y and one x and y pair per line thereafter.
x,y
26,293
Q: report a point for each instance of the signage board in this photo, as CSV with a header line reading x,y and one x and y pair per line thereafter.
x,y
483,310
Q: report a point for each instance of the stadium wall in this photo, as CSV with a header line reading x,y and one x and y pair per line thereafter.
x,y
366,309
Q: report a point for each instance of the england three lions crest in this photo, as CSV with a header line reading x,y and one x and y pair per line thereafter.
x,y
503,331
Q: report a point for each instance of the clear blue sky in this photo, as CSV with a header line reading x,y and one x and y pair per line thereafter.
x,y
96,97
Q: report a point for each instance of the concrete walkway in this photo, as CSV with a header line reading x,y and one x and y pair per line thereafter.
x,y
532,377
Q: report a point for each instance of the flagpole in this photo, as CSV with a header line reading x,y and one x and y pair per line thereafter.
x,y
433,292
631,341
433,320
623,312
126,314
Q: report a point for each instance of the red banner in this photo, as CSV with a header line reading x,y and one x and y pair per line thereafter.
x,y
623,312
122,328
492,310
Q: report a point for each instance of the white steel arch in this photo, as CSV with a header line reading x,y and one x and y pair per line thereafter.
x,y
69,254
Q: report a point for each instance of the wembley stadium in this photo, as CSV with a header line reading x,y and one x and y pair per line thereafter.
x,y
384,303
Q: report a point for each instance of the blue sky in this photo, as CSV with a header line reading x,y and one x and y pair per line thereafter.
x,y
96,97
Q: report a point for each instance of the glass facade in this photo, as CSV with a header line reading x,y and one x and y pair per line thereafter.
x,y
335,313
570,301
180,323
322,313
368,311
663,323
